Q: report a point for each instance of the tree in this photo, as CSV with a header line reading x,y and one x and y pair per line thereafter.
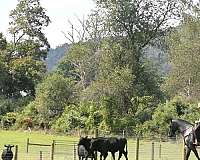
x,y
52,95
5,78
28,48
28,21
184,59
3,42
141,23
80,63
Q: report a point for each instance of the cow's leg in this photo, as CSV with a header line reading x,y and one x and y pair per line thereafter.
x,y
105,155
120,155
101,156
94,155
113,155
125,154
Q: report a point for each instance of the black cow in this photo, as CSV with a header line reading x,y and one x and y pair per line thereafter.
x,y
101,145
86,142
7,153
83,153
118,144
105,145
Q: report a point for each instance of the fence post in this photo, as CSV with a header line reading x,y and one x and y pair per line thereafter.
x,y
74,151
52,149
27,145
137,148
160,150
16,152
40,155
152,153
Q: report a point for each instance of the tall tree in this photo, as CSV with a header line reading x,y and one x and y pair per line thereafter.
x,y
140,23
28,21
184,57
29,46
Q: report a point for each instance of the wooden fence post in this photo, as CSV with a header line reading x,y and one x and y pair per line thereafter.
x,y
137,148
152,153
52,150
40,155
160,150
74,151
27,145
16,152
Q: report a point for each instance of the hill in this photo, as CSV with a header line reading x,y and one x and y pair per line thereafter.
x,y
55,55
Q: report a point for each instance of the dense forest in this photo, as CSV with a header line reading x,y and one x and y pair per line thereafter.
x,y
133,67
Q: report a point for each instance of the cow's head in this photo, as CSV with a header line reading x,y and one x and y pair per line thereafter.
x,y
85,141
8,147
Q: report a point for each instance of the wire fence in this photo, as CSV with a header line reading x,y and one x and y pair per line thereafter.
x,y
138,149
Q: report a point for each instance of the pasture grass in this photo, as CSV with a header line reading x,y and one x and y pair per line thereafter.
x,y
170,150
20,138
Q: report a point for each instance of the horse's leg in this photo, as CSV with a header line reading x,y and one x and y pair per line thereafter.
x,y
188,150
195,152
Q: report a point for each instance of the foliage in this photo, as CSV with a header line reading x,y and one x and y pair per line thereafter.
x,y
176,108
3,42
28,20
184,57
68,121
106,81
8,120
52,95
25,53
80,63
6,105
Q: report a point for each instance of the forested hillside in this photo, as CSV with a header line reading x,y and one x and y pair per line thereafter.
x,y
128,68
55,55
157,55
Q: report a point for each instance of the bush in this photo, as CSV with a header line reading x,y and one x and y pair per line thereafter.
x,y
68,121
176,108
28,117
8,120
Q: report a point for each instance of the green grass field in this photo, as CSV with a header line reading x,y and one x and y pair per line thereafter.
x,y
20,139
162,151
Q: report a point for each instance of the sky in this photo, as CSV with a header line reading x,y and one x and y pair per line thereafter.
x,y
59,11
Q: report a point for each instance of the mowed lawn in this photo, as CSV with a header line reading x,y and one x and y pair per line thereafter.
x,y
65,145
